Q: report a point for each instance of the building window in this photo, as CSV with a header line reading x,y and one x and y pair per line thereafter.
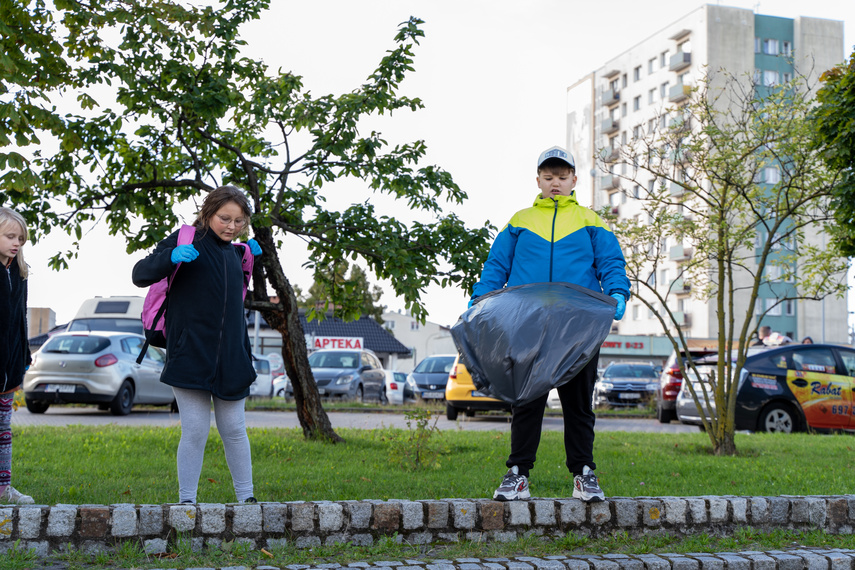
x,y
771,175
663,90
651,126
757,77
663,59
623,80
636,103
651,96
636,132
773,308
787,48
758,43
390,325
770,78
636,73
790,307
787,77
770,47
623,109
635,309
636,193
615,199
651,65
414,325
614,85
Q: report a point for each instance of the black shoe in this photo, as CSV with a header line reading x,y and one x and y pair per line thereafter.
x,y
251,500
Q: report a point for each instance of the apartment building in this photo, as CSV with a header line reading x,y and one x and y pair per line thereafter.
x,y
645,85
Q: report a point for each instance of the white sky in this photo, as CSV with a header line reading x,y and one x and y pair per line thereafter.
x,y
493,76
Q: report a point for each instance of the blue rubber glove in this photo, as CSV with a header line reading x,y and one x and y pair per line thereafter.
x,y
621,305
184,253
254,248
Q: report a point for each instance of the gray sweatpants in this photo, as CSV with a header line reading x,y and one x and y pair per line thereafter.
x,y
194,408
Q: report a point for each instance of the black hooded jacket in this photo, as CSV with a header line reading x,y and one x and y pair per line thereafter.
x,y
14,348
207,346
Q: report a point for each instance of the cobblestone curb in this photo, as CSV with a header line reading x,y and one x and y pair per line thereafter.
x,y
307,524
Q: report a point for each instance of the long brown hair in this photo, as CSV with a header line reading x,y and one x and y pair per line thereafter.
x,y
218,198
8,217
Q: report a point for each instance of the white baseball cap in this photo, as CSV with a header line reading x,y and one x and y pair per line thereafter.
x,y
556,152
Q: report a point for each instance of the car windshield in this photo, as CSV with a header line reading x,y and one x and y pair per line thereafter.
x,y
630,371
76,344
334,359
435,365
261,366
106,324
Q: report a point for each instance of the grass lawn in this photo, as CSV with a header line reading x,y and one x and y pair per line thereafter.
x,y
112,464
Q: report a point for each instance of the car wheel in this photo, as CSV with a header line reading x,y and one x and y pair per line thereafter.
x,y
280,393
450,412
778,418
104,407
360,394
665,416
36,407
124,400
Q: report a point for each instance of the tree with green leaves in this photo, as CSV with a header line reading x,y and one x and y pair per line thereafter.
x,y
742,200
355,285
834,118
190,113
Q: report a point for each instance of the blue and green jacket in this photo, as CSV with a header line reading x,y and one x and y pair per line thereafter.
x,y
555,240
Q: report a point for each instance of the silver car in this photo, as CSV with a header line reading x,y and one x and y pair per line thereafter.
x,y
96,368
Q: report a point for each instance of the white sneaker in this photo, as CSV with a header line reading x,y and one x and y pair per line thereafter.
x,y
13,496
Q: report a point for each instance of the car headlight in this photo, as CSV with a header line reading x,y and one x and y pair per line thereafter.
x,y
411,381
346,379
653,386
606,385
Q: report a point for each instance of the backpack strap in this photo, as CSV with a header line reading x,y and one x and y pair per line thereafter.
x,y
185,237
246,263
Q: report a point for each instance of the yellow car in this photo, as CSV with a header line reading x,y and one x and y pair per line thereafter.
x,y
461,395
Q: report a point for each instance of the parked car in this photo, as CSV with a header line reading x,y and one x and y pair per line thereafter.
x,y
395,387
670,380
354,374
461,395
122,314
282,387
786,389
553,402
428,379
96,368
626,384
262,387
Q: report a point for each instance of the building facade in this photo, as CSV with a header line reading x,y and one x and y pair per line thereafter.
x,y
423,339
644,86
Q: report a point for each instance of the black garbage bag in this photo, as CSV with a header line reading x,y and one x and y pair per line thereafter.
x,y
520,342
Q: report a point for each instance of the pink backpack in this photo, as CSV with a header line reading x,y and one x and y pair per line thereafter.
x,y
154,305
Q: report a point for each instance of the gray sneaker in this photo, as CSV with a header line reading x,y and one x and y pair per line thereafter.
x,y
514,486
587,487
12,496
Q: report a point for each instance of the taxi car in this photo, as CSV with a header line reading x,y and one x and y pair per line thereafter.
x,y
788,389
462,396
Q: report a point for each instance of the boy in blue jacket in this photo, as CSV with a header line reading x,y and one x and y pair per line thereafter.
x,y
556,240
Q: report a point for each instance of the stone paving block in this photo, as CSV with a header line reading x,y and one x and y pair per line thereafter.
x,y
151,520
94,521
626,512
544,513
786,561
837,511
419,538
651,512
812,561
330,517
154,546
307,541
735,561
800,510
362,539
709,562
437,514
125,522
698,511
840,560
758,508
467,566
275,516
387,517
413,514
515,565
576,564
60,520
181,517
303,516
600,513
760,561
492,515
29,522
504,536
277,542
682,562
817,513
213,518
779,510
675,510
7,524
440,567
572,511
630,564
41,548
519,513
718,509
463,514
603,564
739,510
246,519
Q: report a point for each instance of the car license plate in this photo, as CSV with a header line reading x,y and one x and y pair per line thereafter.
x,y
59,388
479,394
630,396
321,391
433,395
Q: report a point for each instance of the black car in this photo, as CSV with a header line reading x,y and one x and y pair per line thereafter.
x,y
786,389
428,379
626,384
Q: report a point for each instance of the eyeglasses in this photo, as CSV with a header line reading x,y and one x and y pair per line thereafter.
x,y
239,223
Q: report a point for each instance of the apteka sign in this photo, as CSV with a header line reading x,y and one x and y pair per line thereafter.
x,y
342,342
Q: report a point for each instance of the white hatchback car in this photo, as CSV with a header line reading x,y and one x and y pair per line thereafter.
x,y
263,385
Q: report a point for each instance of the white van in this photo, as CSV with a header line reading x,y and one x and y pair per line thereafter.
x,y
122,314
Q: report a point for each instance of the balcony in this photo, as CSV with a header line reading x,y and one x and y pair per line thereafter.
x,y
680,253
610,154
611,97
610,126
680,287
679,93
676,190
609,182
682,319
680,124
680,61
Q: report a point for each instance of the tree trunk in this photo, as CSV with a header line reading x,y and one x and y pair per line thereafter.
x,y
725,445
310,412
